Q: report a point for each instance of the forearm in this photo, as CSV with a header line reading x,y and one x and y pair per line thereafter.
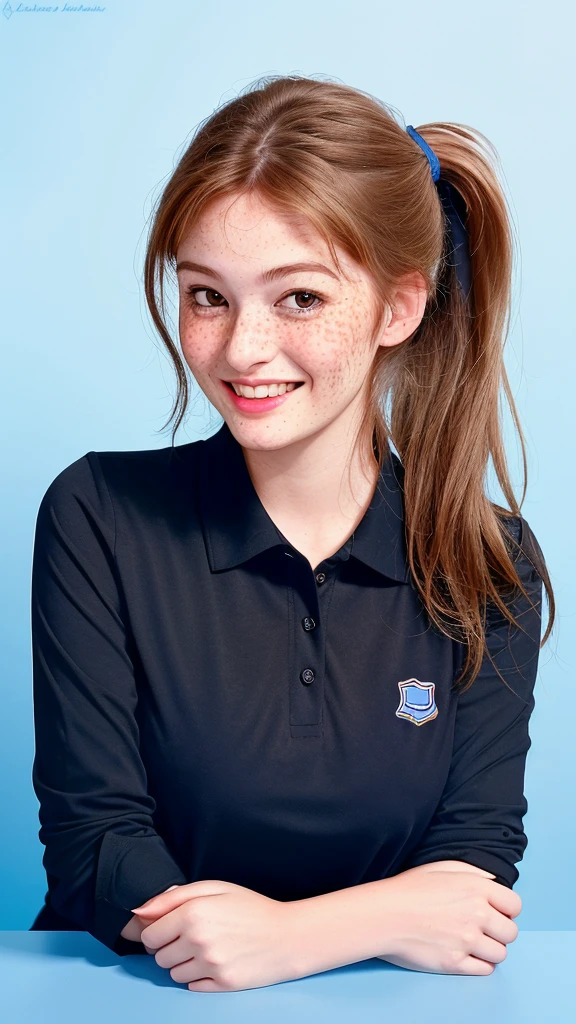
x,y
341,927
350,925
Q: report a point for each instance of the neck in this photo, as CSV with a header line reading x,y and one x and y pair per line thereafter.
x,y
316,490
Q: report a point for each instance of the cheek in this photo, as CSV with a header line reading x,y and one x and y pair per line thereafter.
x,y
200,340
340,348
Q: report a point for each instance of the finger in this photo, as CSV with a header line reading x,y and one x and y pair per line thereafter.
x,y
205,985
163,930
159,907
176,953
192,972
152,907
500,927
164,902
475,965
504,899
468,965
489,949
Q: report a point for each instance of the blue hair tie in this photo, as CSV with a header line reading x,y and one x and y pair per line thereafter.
x,y
432,158
455,209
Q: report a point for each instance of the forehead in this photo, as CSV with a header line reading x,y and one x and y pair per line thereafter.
x,y
245,230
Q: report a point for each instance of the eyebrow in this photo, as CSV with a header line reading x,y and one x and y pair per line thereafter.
x,y
269,275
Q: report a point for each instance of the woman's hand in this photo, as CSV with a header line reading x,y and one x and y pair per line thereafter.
x,y
216,936
133,928
449,918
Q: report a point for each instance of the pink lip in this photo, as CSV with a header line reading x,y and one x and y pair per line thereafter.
x,y
255,405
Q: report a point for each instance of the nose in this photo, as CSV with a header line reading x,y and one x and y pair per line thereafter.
x,y
250,340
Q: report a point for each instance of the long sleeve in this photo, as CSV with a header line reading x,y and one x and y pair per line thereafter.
x,y
480,816
102,853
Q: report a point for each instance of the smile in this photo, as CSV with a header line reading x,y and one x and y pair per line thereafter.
x,y
264,403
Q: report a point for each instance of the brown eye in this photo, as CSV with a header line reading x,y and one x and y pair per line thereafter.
x,y
210,294
310,301
307,297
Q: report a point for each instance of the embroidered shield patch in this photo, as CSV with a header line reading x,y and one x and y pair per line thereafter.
x,y
417,702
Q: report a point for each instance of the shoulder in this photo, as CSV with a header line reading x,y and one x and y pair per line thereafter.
x,y
524,549
97,478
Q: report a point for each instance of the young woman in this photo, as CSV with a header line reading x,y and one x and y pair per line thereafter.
x,y
283,677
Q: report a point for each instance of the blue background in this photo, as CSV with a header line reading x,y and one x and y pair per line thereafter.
x,y
96,109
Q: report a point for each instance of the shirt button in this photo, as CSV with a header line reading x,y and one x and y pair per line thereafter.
x,y
308,623
307,676
320,578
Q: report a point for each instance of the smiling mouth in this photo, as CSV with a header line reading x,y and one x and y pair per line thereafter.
x,y
297,384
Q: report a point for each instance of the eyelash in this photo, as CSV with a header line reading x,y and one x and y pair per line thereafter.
x,y
192,289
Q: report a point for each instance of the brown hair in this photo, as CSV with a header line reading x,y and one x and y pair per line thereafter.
x,y
338,156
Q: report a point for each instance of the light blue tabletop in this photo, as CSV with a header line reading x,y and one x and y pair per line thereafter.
x,y
70,977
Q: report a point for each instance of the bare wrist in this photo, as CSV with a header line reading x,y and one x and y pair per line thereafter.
x,y
341,927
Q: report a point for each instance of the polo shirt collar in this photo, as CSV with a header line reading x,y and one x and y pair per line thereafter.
x,y
236,526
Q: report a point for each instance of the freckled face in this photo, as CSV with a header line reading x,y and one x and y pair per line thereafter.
x,y
311,326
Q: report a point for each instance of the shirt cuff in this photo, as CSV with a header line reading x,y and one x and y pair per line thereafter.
x,y
131,870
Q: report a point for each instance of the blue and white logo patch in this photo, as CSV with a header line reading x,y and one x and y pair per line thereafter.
x,y
417,702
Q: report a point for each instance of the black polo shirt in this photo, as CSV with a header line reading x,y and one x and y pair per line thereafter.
x,y
209,705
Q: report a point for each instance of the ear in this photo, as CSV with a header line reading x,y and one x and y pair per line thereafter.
x,y
408,303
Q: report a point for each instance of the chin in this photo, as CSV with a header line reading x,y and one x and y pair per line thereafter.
x,y
264,439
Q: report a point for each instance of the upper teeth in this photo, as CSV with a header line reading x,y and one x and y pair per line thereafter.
x,y
263,390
